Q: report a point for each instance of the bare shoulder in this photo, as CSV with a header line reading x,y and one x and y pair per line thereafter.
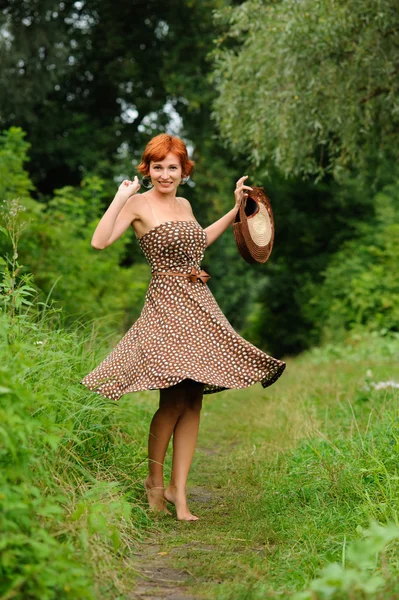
x,y
183,201
186,204
135,206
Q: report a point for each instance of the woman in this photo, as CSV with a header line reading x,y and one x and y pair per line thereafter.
x,y
182,344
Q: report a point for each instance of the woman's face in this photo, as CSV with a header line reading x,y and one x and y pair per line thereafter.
x,y
166,174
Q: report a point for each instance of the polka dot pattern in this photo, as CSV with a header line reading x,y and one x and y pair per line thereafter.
x,y
181,332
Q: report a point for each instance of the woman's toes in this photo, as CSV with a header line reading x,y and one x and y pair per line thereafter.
x,y
189,518
178,498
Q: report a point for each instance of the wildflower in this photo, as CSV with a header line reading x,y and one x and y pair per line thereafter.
x,y
382,385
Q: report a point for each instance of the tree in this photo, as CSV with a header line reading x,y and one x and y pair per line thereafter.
x,y
83,80
311,87
108,93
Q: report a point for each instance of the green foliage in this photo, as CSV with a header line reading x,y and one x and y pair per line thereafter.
x,y
34,50
338,582
283,305
311,88
294,477
332,269
66,484
33,563
69,515
84,93
355,348
71,465
85,282
55,249
361,282
311,222
14,179
100,110
14,293
54,544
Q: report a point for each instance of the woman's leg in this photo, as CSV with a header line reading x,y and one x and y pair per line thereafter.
x,y
171,406
184,441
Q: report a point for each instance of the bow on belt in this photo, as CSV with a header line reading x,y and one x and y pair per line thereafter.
x,y
194,275
199,275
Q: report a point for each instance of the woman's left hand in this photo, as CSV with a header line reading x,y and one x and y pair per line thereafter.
x,y
240,192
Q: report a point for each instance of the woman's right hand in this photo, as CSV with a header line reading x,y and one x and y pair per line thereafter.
x,y
128,188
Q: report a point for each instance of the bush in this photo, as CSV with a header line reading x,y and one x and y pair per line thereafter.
x,y
361,282
56,248
68,458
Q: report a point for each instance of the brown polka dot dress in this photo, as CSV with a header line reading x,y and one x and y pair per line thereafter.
x,y
181,332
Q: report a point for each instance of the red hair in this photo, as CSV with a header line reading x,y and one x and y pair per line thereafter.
x,y
159,147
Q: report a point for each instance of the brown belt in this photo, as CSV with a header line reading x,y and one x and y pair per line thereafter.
x,y
194,275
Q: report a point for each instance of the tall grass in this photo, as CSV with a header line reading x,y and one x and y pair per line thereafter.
x,y
71,509
70,461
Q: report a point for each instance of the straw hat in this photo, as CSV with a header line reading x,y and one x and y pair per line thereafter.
x,y
254,227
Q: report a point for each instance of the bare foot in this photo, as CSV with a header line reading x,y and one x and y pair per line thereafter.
x,y
178,498
155,495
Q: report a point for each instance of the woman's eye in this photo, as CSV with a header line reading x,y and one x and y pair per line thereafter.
x,y
157,167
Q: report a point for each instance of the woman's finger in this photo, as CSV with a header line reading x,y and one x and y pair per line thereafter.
x,y
243,187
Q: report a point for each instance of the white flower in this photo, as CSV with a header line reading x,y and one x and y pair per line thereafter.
x,y
382,385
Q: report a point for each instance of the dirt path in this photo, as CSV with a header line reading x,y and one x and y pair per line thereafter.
x,y
159,578
232,542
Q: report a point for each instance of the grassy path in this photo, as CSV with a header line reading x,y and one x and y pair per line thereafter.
x,y
275,481
284,479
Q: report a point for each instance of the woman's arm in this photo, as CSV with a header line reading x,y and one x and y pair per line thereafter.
x,y
117,217
218,227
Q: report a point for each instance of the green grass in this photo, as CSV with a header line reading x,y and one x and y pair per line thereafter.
x,y
71,463
296,473
284,480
